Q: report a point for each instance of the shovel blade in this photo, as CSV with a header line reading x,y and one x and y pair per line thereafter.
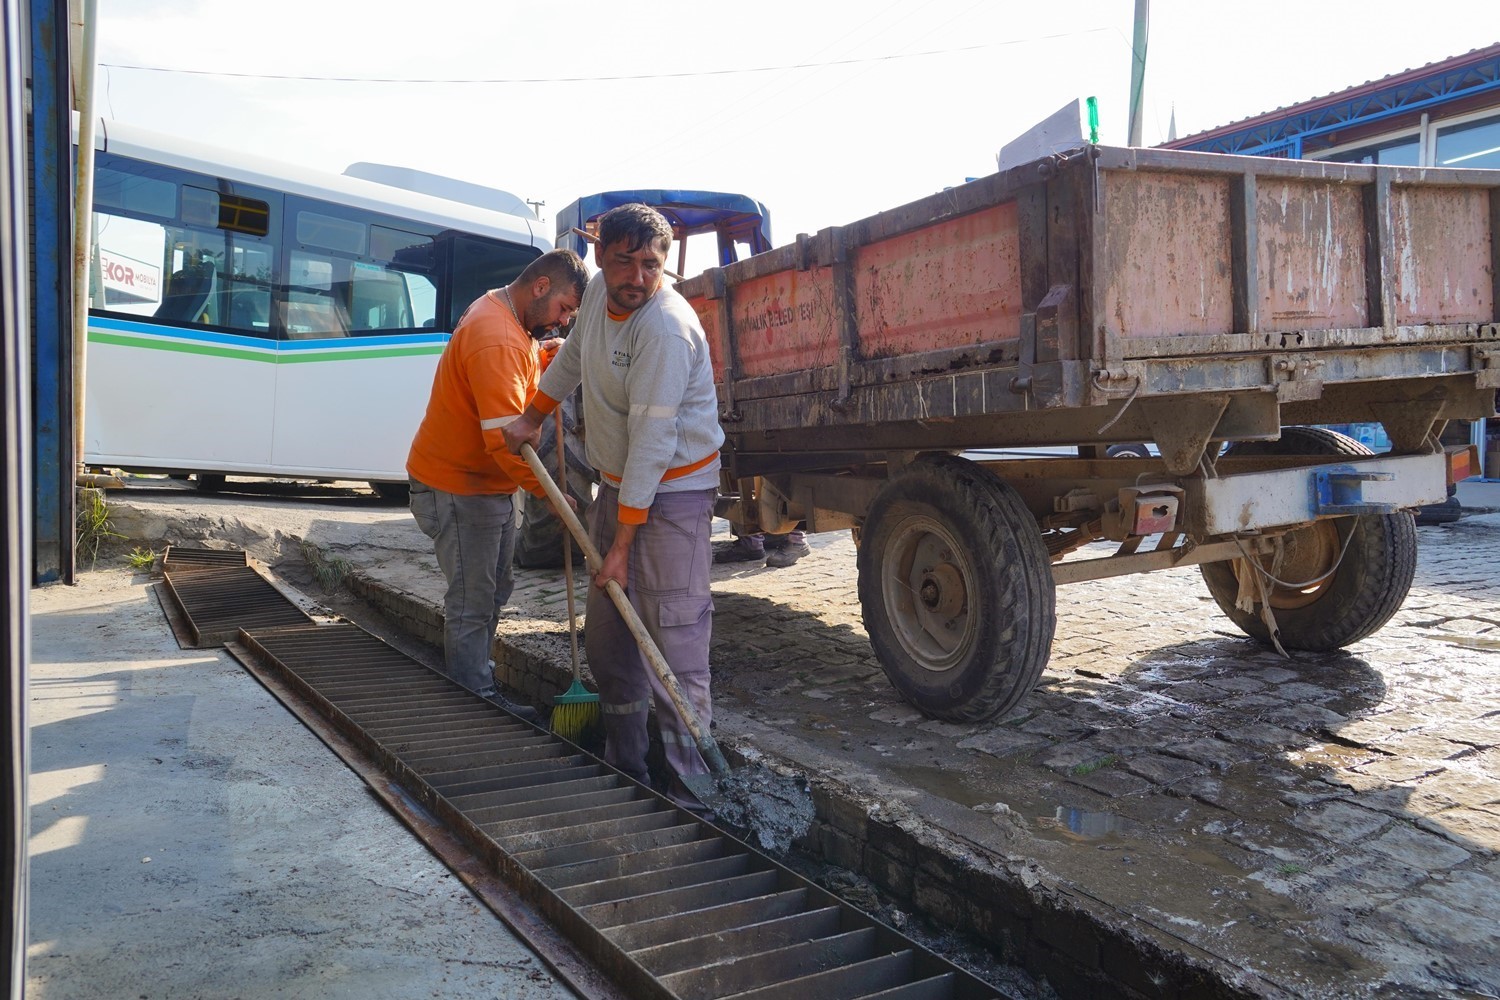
x,y
707,789
776,809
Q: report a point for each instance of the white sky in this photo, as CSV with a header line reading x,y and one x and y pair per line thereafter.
x,y
872,123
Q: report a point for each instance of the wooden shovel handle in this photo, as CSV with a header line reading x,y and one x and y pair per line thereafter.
x,y
712,755
567,547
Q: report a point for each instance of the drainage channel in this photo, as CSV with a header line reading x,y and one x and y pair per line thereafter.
x,y
666,904
208,605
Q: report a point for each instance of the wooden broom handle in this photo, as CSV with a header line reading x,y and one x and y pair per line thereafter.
x,y
567,546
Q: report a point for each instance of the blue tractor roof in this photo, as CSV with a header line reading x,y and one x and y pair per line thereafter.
x,y
735,217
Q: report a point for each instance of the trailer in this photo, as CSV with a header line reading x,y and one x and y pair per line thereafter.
x,y
1215,306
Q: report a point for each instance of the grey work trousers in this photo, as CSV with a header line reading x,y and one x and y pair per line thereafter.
x,y
475,537
669,589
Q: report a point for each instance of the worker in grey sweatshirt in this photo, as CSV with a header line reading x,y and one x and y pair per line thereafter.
x,y
653,433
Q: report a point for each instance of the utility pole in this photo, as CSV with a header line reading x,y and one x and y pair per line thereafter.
x,y
1138,68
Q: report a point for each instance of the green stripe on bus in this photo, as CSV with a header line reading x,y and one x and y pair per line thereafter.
x,y
270,357
182,347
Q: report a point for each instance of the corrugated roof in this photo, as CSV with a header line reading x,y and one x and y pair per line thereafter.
x,y
1369,87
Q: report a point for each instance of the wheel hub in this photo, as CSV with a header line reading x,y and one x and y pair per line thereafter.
x,y
1308,554
927,592
942,591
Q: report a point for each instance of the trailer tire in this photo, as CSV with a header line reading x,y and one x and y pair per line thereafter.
x,y
1369,585
956,589
391,492
540,534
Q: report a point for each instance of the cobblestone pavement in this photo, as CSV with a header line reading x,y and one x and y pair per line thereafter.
x,y
1343,807
1325,821
1326,825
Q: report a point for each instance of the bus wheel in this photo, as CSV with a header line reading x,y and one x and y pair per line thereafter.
x,y
956,589
391,492
1340,579
209,482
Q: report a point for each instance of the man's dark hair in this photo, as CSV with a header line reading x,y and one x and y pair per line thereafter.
x,y
635,225
563,268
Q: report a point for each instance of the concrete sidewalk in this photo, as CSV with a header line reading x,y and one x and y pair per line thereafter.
x,y
191,839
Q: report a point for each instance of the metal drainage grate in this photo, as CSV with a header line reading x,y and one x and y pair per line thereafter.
x,y
208,607
176,558
666,904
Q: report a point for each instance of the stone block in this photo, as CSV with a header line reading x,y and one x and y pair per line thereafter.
x,y
1471,829
1340,821
840,849
1162,769
891,874
938,900
1214,752
892,842
1419,849
845,814
1112,781
1003,742
1070,934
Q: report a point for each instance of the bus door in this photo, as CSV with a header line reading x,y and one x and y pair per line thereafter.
x,y
180,320
362,340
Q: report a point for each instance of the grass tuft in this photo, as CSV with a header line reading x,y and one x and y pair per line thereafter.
x,y
1089,767
330,573
93,523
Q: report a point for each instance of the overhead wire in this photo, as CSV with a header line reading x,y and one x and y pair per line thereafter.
x,y
687,136
740,107
684,74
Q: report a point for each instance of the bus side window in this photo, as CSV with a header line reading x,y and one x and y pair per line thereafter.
x,y
247,287
378,300
126,276
479,265
397,292
192,292
312,309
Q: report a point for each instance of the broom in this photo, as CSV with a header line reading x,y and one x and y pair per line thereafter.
x,y
575,714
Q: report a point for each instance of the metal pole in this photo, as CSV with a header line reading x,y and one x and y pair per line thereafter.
x,y
83,216
1138,68
15,504
53,476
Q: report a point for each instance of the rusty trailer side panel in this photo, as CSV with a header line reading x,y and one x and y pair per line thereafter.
x,y
1061,302
1166,255
955,283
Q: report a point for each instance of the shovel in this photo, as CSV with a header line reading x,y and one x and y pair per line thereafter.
x,y
776,808
706,744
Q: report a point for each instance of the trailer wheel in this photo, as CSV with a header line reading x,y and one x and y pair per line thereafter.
x,y
539,535
391,492
1379,560
956,589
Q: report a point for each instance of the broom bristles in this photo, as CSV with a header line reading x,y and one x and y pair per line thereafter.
x,y
576,712
572,721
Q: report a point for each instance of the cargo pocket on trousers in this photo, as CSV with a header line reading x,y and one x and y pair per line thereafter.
x,y
423,507
678,612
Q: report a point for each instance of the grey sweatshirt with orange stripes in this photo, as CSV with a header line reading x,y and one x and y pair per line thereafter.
x,y
649,407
